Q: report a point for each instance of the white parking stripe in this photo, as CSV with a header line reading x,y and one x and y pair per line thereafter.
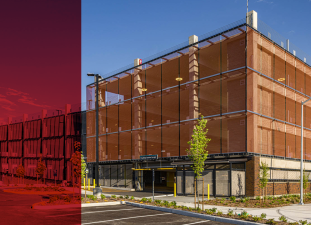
x,y
94,212
197,222
105,221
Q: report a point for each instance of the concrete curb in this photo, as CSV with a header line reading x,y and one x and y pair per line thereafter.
x,y
42,207
100,204
192,214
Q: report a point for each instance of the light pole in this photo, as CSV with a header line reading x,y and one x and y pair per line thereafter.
x,y
301,154
97,190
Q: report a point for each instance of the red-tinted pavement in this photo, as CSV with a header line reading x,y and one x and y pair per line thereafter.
x,y
16,209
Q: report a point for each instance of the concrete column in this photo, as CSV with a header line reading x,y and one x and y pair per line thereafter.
x,y
252,92
252,19
25,117
44,112
101,97
67,109
137,108
193,75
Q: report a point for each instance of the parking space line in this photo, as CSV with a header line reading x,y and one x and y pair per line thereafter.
x,y
196,222
127,218
115,210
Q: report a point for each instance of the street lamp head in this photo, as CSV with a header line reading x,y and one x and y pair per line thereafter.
x,y
91,74
86,170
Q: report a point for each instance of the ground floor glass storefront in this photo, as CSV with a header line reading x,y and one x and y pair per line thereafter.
x,y
223,179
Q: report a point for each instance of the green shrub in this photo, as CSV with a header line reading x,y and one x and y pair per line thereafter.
x,y
143,199
230,212
257,204
121,197
256,218
173,203
219,213
233,198
283,219
149,200
67,198
263,216
126,197
243,200
247,199
132,197
166,203
209,211
54,198
113,196
82,198
258,198
214,210
184,207
157,201
243,214
199,209
303,222
103,196
271,221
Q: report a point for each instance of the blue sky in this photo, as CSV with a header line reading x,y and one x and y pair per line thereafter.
x,y
116,32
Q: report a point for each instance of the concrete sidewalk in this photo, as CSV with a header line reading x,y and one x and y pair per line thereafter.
x,y
293,213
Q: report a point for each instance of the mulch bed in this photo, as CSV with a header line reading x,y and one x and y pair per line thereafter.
x,y
270,202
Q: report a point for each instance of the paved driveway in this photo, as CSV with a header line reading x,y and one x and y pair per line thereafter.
x,y
124,214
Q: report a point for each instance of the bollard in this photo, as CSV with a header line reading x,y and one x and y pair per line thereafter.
x,y
89,182
94,183
174,189
208,191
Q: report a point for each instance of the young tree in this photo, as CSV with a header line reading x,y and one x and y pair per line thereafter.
x,y
78,163
20,171
263,177
305,181
197,152
83,167
40,169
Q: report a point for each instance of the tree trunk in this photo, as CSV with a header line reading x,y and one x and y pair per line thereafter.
x,y
195,191
203,193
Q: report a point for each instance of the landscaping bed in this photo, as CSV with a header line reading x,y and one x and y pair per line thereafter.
x,y
268,202
38,190
213,211
61,200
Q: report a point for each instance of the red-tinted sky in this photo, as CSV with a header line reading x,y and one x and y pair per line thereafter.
x,y
40,55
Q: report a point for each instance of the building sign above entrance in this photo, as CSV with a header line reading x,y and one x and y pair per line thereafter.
x,y
148,157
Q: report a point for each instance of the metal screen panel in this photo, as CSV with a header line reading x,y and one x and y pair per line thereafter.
x,y
238,183
121,176
180,182
114,176
189,179
107,176
222,183
129,175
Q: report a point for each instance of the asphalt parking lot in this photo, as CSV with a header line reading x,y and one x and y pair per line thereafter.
x,y
124,214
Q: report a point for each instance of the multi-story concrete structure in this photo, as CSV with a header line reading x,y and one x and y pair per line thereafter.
x,y
49,135
246,84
